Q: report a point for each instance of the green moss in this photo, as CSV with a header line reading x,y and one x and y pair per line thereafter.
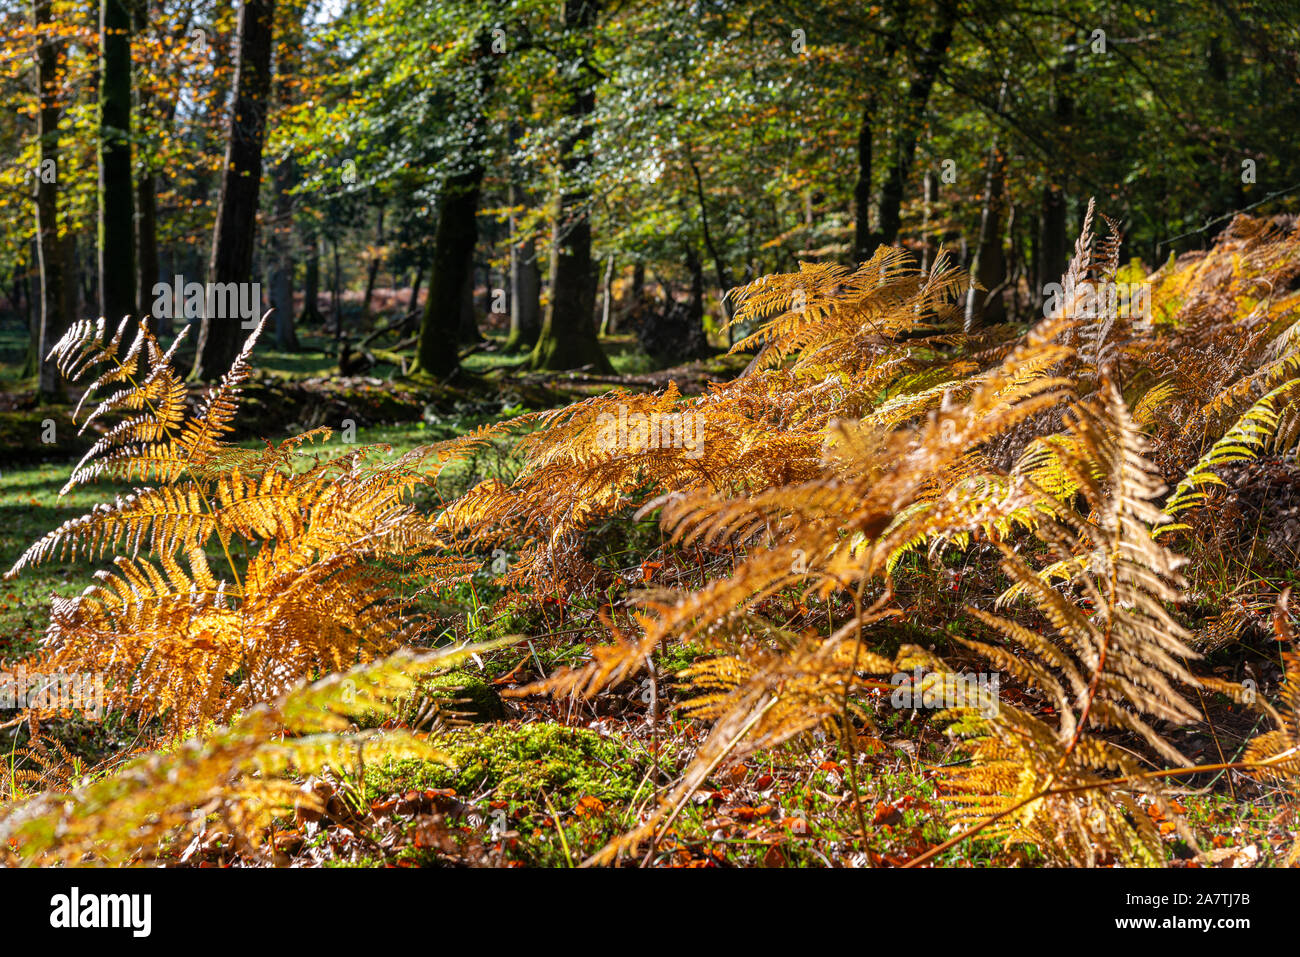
x,y
674,656
518,621
403,857
518,761
464,692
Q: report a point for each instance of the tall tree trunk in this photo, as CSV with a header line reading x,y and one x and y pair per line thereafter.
x,y
282,261
719,267
525,291
1053,245
607,293
453,254
918,97
1015,262
54,315
72,305
990,263
989,266
568,336
88,272
311,284
456,235
863,241
929,194
525,277
413,297
146,204
284,180
696,307
146,211
637,292
23,294
372,271
336,289
233,238
116,236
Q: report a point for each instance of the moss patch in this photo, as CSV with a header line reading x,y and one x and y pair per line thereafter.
x,y
465,693
518,761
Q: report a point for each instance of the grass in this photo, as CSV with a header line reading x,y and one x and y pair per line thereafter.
x,y
30,506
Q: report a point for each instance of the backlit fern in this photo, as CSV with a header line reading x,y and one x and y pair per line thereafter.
x,y
233,781
242,570
881,431
869,440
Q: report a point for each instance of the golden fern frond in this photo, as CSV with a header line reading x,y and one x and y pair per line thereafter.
x,y
1153,401
174,640
791,302
161,394
161,520
1035,788
1127,644
759,707
136,445
610,664
237,774
84,345
1250,436
202,436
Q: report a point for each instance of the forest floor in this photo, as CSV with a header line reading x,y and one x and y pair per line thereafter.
x,y
541,781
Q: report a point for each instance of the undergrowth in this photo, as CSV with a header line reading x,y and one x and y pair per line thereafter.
x,y
742,581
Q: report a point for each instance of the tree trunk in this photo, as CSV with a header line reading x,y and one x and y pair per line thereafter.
x,y
568,336
453,253
286,338
863,242
116,237
23,294
918,96
607,290
719,268
221,337
311,284
637,292
146,205
1014,263
990,263
455,237
336,290
284,180
146,210
525,295
54,315
1053,245
372,271
696,268
413,298
525,277
930,194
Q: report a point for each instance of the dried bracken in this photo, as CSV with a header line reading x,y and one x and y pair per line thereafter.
x,y
868,435
173,636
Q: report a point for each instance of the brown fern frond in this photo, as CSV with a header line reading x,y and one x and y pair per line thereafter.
x,y
176,640
1127,643
1036,789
